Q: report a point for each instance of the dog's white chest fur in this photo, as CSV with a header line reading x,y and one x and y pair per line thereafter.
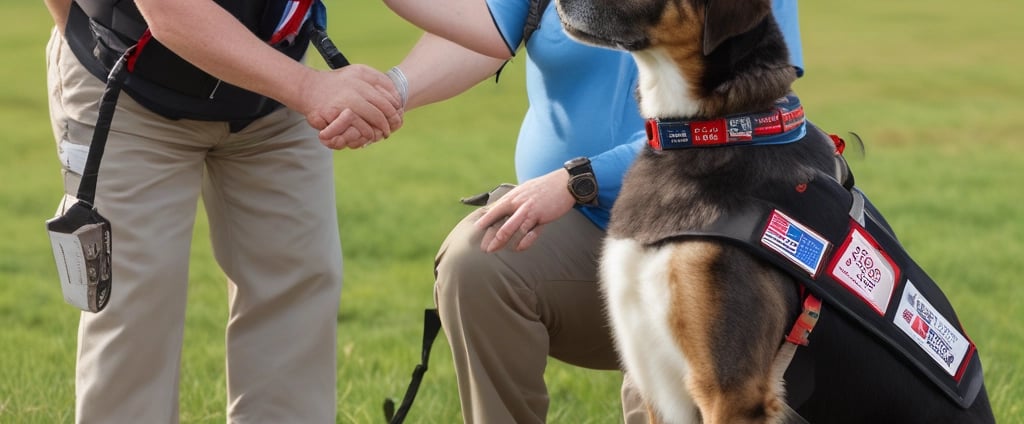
x,y
659,75
635,281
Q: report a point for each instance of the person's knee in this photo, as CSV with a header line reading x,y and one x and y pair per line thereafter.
x,y
465,274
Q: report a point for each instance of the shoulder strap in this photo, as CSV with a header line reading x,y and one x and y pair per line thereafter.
x,y
537,8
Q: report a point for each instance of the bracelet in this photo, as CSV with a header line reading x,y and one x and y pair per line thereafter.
x,y
401,83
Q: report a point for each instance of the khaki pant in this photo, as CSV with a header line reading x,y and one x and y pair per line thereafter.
x,y
269,194
505,313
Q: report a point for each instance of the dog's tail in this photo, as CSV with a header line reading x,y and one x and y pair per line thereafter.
x,y
859,142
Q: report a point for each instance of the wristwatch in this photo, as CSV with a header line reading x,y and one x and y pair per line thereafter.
x,y
582,183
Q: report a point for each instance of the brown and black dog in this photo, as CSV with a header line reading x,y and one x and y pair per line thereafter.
x,y
700,322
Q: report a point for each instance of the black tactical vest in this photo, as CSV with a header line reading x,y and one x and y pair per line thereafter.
x,y
99,31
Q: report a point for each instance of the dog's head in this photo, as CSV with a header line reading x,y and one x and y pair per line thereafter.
x,y
717,49
635,25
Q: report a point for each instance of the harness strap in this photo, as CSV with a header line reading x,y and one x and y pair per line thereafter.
x,y
805,323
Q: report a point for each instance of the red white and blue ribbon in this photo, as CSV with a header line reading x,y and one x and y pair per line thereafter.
x,y
295,14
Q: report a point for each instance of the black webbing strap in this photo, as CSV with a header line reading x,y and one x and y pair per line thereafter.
x,y
533,16
323,44
108,103
431,326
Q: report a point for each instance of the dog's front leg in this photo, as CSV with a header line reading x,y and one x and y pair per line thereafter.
x,y
732,340
635,284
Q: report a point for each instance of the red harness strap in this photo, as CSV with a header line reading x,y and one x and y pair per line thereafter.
x,y
804,324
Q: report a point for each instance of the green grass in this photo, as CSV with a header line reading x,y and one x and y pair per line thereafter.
x,y
933,89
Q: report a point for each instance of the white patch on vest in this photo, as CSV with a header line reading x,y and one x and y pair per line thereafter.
x,y
635,284
931,331
864,269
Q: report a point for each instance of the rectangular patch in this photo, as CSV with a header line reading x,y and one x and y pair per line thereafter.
x,y
865,269
931,331
740,129
674,135
793,241
709,133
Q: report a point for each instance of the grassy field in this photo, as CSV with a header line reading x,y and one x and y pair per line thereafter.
x,y
935,90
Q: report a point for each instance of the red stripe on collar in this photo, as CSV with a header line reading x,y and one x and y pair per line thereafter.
x,y
783,124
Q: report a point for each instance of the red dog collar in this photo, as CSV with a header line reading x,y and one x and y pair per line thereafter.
x,y
784,124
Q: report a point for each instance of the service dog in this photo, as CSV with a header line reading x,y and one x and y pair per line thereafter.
x,y
707,265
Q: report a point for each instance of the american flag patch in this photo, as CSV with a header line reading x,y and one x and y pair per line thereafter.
x,y
793,241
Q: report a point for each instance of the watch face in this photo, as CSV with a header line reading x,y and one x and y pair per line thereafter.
x,y
584,188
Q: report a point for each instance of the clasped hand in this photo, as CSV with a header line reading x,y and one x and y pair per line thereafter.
x,y
352,106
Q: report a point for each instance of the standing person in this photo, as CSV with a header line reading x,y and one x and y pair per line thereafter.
x,y
516,280
234,119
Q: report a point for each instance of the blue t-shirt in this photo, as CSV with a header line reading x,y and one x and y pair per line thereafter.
x,y
582,100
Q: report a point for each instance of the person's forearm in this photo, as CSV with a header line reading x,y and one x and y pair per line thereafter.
x,y
466,22
59,11
438,69
209,37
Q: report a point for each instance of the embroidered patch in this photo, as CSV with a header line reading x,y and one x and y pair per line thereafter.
x,y
793,241
865,269
931,331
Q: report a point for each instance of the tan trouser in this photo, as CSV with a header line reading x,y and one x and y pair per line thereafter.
x,y
505,313
269,194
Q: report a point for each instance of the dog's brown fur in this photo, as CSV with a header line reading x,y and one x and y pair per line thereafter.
x,y
726,311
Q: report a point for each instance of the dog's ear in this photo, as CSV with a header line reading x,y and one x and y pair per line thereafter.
x,y
724,19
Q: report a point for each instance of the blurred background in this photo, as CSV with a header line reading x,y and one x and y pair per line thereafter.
x,y
934,89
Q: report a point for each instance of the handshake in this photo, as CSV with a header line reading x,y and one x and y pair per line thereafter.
x,y
355,105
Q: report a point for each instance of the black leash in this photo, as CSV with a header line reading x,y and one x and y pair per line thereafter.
x,y
431,326
323,44
431,321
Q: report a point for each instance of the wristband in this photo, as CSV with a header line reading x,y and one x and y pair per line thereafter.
x,y
401,84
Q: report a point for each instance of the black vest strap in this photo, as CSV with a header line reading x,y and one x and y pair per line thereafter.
x,y
164,82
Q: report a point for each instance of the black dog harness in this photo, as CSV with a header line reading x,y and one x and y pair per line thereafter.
x,y
826,234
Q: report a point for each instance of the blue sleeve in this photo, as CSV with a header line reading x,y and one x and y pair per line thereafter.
x,y
510,18
610,167
785,12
